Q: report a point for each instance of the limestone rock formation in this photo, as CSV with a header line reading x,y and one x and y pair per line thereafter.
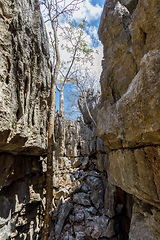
x,y
24,77
88,102
107,182
21,195
24,90
145,222
129,115
87,205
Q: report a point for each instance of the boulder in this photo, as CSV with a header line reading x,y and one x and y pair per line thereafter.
x,y
63,213
82,199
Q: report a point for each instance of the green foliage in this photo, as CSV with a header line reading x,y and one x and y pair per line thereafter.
x,y
78,50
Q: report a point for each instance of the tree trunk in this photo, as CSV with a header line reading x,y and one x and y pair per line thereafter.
x,y
61,103
62,124
51,142
49,173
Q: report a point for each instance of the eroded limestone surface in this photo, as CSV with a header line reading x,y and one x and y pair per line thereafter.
x,y
24,90
24,77
21,195
129,115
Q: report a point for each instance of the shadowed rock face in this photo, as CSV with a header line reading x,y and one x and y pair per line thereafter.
x,y
129,116
21,185
24,77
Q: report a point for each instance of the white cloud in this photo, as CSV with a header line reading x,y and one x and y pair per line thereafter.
x,y
98,60
88,11
91,13
90,37
93,33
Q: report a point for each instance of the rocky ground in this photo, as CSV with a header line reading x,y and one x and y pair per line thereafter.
x,y
87,205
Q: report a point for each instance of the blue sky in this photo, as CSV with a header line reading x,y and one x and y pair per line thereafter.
x,y
100,2
90,10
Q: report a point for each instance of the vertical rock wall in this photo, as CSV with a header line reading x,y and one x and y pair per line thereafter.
x,y
21,195
129,115
24,90
24,77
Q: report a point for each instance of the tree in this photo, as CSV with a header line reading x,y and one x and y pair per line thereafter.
x,y
52,10
79,53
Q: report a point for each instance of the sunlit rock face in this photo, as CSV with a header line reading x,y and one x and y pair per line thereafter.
x,y
129,115
88,102
24,90
24,77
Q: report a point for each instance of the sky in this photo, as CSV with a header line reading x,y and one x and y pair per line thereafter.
x,y
90,10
